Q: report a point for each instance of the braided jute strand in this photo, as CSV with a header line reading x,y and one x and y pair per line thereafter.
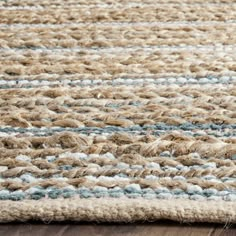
x,y
118,210
118,110
123,13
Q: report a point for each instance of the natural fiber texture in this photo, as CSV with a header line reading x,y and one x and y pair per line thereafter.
x,y
117,110
118,210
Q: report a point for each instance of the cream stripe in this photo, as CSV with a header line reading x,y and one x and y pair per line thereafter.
x,y
147,77
19,82
204,48
84,2
109,6
143,23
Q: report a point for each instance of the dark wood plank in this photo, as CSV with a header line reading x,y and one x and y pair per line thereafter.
x,y
149,229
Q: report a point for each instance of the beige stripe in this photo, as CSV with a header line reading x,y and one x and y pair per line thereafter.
x,y
111,2
117,63
118,36
124,14
118,210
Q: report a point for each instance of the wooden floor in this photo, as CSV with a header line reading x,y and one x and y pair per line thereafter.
x,y
151,229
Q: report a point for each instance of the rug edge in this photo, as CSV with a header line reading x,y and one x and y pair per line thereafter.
x,y
118,210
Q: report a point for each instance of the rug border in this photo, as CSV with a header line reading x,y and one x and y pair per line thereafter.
x,y
117,210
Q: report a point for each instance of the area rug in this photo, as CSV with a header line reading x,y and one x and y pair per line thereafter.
x,y
117,110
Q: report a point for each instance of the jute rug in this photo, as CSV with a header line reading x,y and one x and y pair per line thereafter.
x,y
118,110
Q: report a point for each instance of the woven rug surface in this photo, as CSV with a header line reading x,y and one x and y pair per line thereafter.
x,y
118,110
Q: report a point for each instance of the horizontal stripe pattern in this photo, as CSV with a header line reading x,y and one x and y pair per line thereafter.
x,y
134,100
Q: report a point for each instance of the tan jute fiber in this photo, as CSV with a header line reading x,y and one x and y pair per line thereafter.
x,y
118,110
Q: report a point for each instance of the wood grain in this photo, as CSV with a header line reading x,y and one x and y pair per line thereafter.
x,y
165,228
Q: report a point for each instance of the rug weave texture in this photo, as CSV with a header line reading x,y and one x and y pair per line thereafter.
x,y
118,110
